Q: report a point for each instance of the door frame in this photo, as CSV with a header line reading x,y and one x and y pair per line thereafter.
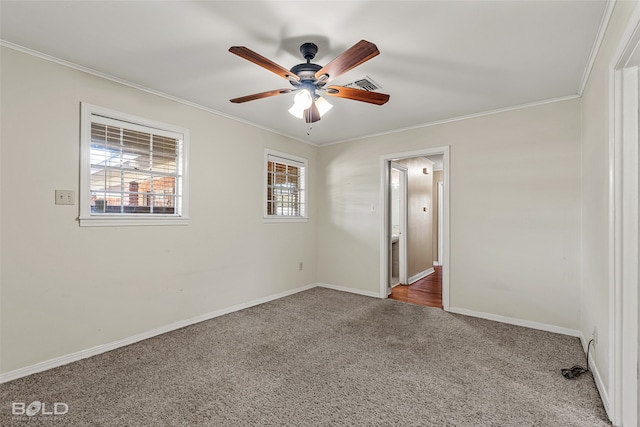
x,y
385,170
440,187
623,229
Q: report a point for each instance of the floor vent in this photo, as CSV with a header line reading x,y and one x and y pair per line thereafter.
x,y
364,83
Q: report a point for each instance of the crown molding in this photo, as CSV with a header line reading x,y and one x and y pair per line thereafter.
x,y
604,24
124,82
460,118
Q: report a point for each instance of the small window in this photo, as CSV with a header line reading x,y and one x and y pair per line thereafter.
x,y
285,187
133,170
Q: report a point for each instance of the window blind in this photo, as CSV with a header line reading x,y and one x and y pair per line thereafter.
x,y
134,169
285,187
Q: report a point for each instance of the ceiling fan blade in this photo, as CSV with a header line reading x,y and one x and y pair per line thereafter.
x,y
260,95
312,114
260,60
350,58
357,94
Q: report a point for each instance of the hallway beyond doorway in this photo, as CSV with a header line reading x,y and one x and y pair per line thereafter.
x,y
426,291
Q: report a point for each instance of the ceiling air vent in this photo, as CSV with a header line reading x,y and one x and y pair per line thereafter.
x,y
364,83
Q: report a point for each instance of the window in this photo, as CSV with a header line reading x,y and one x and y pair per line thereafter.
x,y
285,187
133,170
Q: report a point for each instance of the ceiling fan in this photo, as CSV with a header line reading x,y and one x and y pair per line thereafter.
x,y
309,80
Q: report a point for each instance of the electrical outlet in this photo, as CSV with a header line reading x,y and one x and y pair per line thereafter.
x,y
301,266
594,335
65,197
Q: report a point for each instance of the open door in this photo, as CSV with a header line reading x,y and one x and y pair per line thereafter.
x,y
397,234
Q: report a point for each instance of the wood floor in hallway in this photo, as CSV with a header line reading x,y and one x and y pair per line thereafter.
x,y
426,291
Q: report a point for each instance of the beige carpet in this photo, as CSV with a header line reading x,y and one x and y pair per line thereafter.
x,y
322,358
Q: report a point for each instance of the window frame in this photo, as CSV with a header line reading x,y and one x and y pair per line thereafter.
x,y
268,153
88,218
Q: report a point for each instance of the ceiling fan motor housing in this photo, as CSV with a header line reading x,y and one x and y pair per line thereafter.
x,y
307,71
308,51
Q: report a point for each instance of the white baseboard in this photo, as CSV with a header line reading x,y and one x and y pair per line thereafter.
x,y
103,348
421,275
517,322
604,396
351,290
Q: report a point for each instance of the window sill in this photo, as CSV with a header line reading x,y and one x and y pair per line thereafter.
x,y
268,219
121,221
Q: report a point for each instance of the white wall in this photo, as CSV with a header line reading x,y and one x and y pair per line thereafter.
x,y
65,288
595,193
515,211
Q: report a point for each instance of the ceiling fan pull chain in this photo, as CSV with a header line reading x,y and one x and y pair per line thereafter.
x,y
309,130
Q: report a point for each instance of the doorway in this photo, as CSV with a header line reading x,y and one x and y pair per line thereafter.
x,y
388,168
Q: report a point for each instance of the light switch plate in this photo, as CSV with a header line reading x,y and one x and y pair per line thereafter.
x,y
65,197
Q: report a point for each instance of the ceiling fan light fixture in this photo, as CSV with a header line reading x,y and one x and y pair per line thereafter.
x,y
296,112
301,102
303,99
297,109
323,105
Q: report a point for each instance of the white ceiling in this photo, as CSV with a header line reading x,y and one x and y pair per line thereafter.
x,y
438,60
